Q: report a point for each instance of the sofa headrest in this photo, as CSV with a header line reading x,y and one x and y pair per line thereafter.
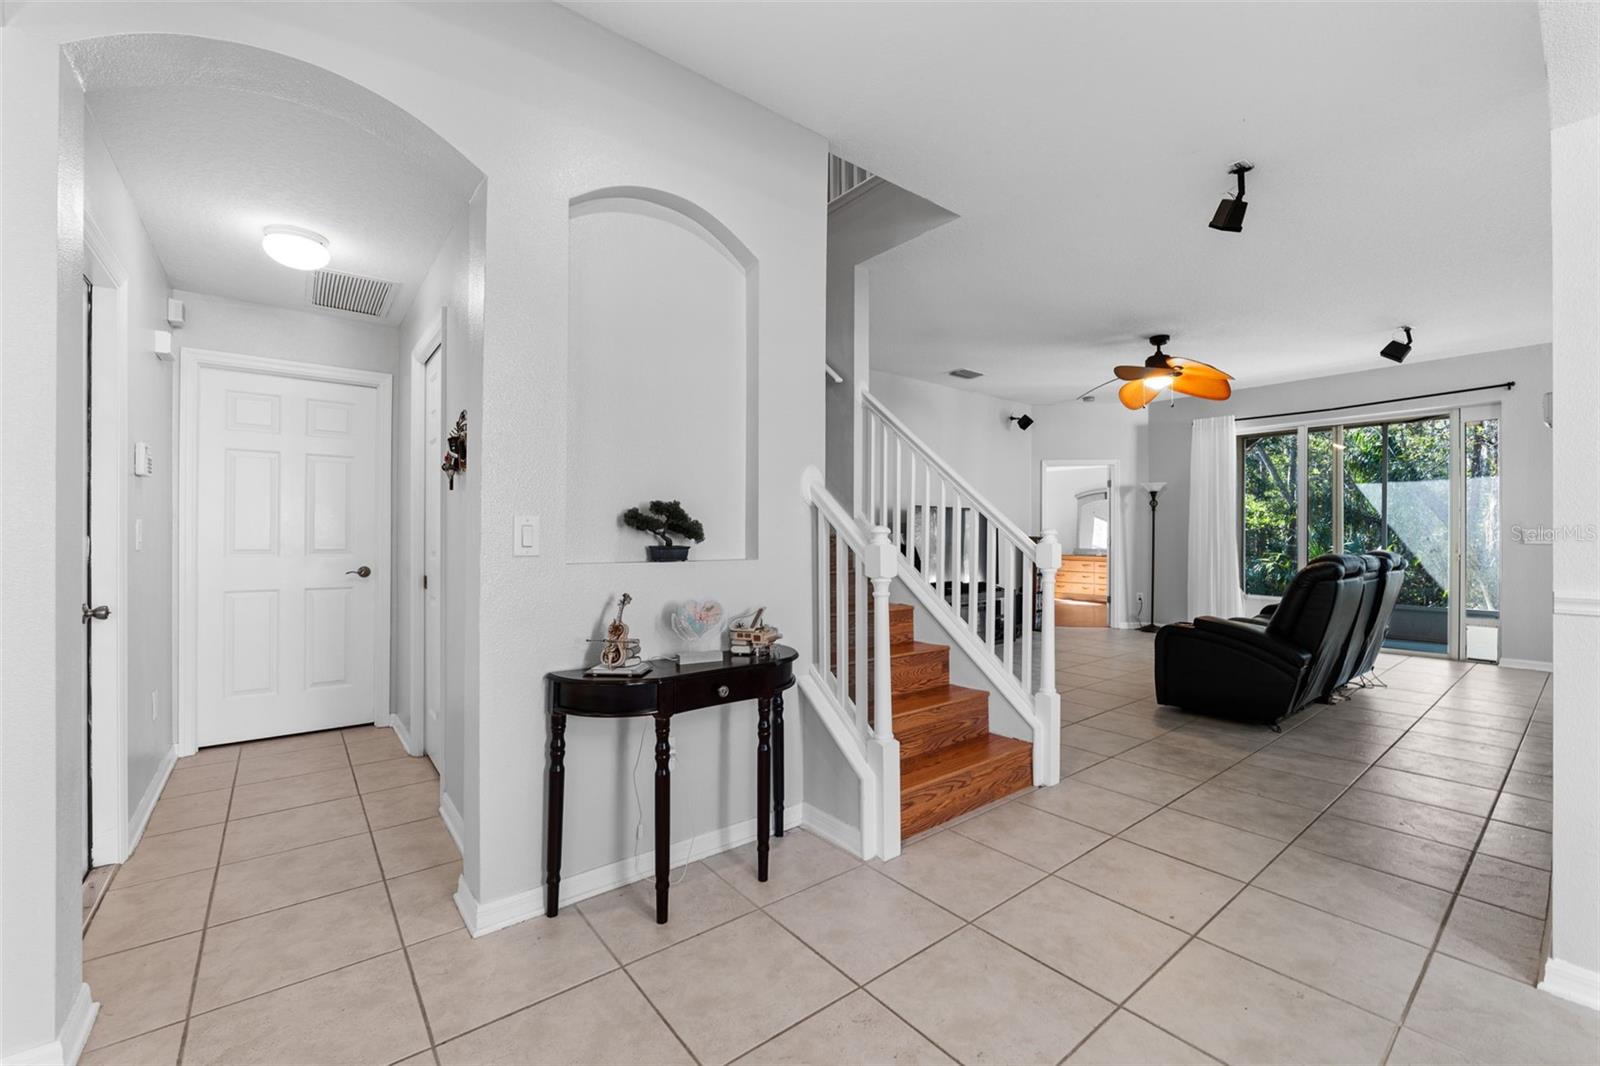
x,y
1349,565
1390,559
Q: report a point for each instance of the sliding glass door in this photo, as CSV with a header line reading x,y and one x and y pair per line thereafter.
x,y
1424,488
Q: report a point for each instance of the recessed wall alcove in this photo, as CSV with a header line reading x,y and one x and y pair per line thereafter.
x,y
662,369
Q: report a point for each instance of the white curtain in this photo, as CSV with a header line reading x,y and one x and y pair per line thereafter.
x,y
1214,586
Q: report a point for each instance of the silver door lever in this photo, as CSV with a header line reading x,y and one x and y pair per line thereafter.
x,y
361,571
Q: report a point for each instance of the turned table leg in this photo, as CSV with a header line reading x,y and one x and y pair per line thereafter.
x,y
763,784
557,785
777,764
663,814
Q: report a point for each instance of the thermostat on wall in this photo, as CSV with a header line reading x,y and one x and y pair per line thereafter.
x,y
143,464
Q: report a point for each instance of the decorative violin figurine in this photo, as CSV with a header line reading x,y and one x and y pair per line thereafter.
x,y
619,653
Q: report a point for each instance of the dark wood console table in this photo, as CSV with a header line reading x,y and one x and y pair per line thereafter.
x,y
669,689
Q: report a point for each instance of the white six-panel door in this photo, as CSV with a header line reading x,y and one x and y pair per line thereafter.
x,y
286,504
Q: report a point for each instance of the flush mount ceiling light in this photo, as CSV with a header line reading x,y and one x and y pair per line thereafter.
x,y
1022,421
1398,349
1162,372
1230,213
296,248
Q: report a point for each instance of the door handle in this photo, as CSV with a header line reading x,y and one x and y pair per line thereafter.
x,y
361,571
99,614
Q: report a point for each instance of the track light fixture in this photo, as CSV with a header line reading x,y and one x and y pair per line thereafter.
x,y
1397,349
1230,212
1022,421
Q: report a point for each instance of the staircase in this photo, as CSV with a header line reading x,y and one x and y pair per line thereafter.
x,y
949,761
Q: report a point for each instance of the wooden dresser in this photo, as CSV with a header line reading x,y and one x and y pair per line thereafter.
x,y
1082,577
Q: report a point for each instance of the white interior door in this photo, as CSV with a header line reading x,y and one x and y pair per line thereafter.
x,y
432,581
286,513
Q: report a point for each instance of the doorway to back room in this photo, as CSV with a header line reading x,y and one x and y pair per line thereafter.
x,y
1076,502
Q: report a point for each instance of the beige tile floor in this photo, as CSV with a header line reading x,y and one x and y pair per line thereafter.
x,y
1368,886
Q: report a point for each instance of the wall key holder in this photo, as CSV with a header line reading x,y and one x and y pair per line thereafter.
x,y
455,457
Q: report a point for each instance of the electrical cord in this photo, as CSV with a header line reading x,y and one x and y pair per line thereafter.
x,y
638,825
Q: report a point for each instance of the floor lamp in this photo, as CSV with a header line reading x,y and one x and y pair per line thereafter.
x,y
1152,487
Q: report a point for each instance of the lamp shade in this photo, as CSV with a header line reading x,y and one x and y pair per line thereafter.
x,y
1153,486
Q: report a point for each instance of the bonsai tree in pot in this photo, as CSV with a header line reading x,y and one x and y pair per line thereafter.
x,y
665,519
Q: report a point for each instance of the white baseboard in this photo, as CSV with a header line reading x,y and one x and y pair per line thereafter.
x,y
452,819
65,1049
401,730
1528,664
491,915
1572,983
147,802
840,834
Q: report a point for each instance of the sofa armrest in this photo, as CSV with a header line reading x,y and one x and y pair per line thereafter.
x,y
1255,636
1266,612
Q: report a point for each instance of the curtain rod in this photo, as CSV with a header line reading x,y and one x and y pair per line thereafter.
x,y
1379,403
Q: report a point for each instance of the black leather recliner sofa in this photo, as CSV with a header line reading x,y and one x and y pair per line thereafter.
x,y
1391,575
1264,673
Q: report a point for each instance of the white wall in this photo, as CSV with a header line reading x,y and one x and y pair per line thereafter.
x,y
549,107
659,374
1571,38
453,286
42,762
1525,457
970,431
1105,431
872,220
1060,500
146,410
220,324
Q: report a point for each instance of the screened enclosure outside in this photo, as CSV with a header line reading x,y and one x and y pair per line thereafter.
x,y
1385,485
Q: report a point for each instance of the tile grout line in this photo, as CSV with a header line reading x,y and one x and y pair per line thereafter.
x,y
205,922
1444,921
394,916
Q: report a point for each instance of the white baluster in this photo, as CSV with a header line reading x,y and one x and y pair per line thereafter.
x,y
841,614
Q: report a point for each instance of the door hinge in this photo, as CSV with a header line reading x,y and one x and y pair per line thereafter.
x,y
424,580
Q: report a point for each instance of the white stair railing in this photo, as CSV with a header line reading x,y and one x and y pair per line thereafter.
x,y
848,677
973,569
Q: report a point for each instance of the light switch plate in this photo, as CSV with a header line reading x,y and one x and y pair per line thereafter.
x,y
525,534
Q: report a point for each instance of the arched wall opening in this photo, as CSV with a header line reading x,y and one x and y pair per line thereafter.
x,y
185,148
662,349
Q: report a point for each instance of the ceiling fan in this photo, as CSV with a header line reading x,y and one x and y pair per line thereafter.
x,y
1161,372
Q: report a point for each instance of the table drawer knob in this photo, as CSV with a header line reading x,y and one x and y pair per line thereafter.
x,y
722,690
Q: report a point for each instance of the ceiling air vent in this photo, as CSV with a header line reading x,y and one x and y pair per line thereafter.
x,y
349,292
965,374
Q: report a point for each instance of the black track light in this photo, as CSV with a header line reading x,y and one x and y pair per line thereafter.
x,y
1022,421
1230,212
1398,350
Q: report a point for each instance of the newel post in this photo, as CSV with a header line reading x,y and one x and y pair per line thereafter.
x,y
1046,701
881,560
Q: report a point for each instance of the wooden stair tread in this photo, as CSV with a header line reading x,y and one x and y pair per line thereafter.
x,y
927,720
914,647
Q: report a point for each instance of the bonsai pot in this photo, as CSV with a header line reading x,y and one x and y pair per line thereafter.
x,y
666,553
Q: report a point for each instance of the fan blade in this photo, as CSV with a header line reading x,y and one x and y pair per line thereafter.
x,y
1136,395
1195,366
1138,373
1202,386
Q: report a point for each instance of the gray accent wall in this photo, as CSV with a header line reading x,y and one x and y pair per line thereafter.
x,y
1525,457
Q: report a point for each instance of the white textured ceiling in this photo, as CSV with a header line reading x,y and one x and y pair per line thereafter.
x,y
215,141
1402,176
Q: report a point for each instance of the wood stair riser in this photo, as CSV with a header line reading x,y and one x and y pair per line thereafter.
x,y
950,782
916,667
942,721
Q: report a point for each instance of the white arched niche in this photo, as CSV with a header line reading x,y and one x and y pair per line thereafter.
x,y
661,374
